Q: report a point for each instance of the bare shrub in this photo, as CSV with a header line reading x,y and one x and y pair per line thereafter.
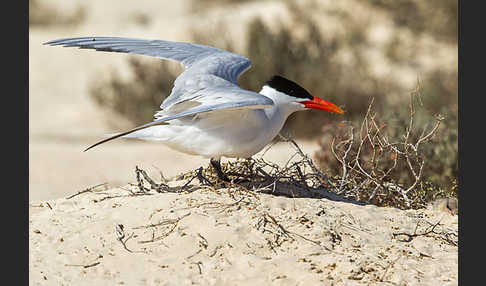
x,y
382,167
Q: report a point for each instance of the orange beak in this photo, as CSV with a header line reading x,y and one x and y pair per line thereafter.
x,y
318,103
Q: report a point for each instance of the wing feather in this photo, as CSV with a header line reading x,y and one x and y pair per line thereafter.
x,y
208,83
222,63
250,101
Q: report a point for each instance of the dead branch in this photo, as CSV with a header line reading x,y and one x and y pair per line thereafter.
x,y
306,158
90,189
173,222
154,186
120,235
84,266
370,161
449,237
164,222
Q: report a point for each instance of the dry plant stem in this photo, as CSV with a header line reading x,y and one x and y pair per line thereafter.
x,y
281,231
120,235
164,222
430,230
154,239
363,140
154,186
415,234
84,266
343,159
306,158
174,223
198,266
132,194
140,181
374,157
355,162
90,189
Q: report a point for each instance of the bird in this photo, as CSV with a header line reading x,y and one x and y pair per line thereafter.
x,y
207,113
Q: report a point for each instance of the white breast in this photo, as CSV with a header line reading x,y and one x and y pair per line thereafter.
x,y
240,133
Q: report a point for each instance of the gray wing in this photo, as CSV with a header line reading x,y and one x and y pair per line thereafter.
x,y
209,100
192,56
209,82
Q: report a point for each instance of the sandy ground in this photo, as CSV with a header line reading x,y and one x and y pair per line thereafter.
x,y
225,237
201,237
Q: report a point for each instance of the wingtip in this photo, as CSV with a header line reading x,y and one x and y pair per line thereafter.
x,y
96,144
87,148
51,43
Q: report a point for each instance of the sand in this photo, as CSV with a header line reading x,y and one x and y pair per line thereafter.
x,y
201,236
225,237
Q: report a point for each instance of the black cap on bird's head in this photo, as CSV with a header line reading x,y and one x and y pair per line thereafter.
x,y
291,88
288,87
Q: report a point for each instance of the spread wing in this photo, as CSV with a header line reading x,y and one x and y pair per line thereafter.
x,y
199,58
206,100
208,83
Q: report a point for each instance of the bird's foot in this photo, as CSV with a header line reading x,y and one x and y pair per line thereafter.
x,y
217,167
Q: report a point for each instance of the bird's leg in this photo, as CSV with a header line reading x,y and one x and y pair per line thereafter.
x,y
203,180
216,163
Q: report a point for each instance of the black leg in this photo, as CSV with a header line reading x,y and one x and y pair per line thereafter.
x,y
217,166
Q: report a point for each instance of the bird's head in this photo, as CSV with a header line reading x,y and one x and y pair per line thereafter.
x,y
288,93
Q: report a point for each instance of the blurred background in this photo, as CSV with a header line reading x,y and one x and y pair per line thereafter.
x,y
347,52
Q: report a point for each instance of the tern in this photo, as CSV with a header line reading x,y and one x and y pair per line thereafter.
x,y
207,112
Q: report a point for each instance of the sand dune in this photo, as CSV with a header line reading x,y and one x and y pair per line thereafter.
x,y
228,237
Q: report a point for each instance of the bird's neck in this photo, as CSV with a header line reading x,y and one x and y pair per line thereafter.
x,y
282,107
277,115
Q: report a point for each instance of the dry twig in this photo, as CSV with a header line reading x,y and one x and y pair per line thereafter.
x,y
368,162
90,189
154,186
449,237
120,235
167,222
